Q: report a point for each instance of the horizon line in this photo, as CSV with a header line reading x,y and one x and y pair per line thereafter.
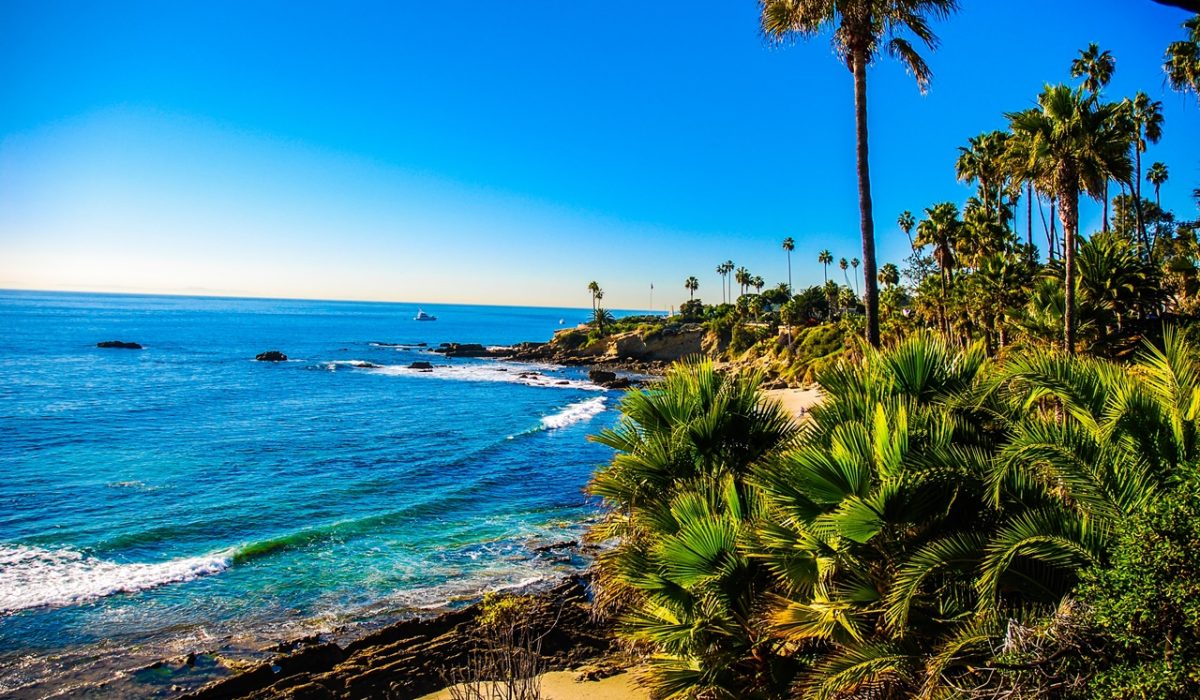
x,y
250,297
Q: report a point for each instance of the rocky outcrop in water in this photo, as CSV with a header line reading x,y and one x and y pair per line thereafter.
x,y
470,350
271,356
119,345
412,658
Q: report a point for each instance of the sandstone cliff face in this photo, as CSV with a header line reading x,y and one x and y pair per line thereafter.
x,y
667,344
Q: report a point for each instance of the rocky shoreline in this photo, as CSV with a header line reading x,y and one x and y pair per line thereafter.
x,y
414,657
630,353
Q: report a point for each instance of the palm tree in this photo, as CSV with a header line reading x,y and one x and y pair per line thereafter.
x,y
982,160
691,284
758,283
744,279
844,264
854,262
729,279
1182,64
1095,67
825,258
1157,175
723,270
789,245
1072,143
906,222
862,29
941,228
1147,121
596,292
889,275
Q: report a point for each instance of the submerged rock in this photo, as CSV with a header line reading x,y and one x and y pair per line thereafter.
x,y
271,356
470,350
570,544
420,364
119,344
601,376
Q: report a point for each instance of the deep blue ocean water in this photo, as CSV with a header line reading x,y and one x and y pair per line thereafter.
x,y
185,497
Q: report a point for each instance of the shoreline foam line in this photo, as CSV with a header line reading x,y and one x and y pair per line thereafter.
x,y
509,373
577,412
32,577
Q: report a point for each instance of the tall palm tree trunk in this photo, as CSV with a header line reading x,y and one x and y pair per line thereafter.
x,y
1029,218
1137,201
1054,214
871,295
1046,231
1068,211
942,307
790,290
1106,205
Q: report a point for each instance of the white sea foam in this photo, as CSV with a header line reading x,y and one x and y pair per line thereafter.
x,y
509,373
32,577
333,366
575,413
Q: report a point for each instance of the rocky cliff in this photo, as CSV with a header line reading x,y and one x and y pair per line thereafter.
x,y
659,346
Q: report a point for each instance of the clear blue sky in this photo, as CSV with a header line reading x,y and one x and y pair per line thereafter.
x,y
489,152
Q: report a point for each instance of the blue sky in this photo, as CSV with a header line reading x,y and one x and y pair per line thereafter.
x,y
485,152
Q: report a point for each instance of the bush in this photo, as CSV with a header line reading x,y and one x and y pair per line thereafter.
x,y
572,339
1146,602
692,310
507,659
743,337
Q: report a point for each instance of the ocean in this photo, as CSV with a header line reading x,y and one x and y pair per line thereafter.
x,y
185,497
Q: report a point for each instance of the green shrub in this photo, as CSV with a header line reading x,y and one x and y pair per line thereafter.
x,y
1146,602
743,337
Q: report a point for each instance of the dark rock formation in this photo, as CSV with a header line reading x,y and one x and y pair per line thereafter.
x,y
601,376
609,379
420,364
470,350
271,356
572,544
119,344
411,658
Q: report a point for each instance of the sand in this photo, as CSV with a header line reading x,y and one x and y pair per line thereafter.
x,y
797,401
561,685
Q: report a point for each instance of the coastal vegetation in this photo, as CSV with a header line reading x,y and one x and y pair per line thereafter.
x,y
944,525
998,494
1010,267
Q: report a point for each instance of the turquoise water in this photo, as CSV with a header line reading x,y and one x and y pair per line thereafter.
x,y
184,497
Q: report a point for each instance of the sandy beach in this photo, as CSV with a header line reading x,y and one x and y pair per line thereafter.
x,y
563,685
797,401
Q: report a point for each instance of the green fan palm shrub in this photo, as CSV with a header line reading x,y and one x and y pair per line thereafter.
x,y
893,463
937,496
934,500
1089,444
679,506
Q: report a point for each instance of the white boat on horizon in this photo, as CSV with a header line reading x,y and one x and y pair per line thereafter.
x,y
422,316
